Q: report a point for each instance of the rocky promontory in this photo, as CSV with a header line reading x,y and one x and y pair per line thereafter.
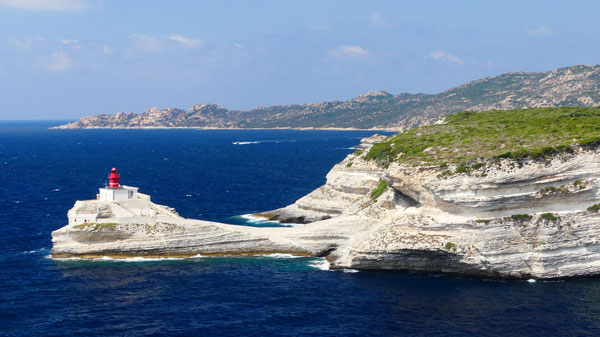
x,y
522,206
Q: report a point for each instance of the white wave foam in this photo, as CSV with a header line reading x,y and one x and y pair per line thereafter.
x,y
280,256
256,142
321,264
246,143
128,259
531,280
49,256
255,219
35,251
350,271
260,220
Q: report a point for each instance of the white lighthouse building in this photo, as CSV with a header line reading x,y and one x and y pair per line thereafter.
x,y
115,191
113,201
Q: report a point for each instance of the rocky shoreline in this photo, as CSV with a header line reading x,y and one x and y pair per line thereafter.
x,y
502,220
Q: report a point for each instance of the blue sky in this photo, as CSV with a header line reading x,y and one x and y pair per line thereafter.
x,y
72,58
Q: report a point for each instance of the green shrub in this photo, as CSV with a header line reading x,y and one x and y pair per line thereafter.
x,y
477,166
594,208
349,164
462,169
98,226
381,186
482,221
549,216
450,245
591,142
520,217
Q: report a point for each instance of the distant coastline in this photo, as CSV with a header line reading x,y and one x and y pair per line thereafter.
x,y
577,86
217,128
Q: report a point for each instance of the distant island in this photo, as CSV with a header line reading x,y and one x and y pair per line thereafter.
x,y
571,86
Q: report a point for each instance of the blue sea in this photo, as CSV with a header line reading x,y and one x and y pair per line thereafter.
x,y
204,175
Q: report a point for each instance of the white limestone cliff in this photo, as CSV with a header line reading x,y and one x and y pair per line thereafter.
x,y
504,219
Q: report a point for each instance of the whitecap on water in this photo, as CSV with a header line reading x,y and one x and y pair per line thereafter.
x,y
531,280
350,271
35,251
246,143
321,263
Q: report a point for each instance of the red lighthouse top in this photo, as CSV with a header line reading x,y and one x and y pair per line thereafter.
x,y
113,178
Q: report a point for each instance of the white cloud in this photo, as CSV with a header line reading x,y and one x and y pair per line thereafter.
x,y
68,41
440,55
349,51
376,20
186,41
147,42
57,61
46,5
540,31
151,43
52,54
27,43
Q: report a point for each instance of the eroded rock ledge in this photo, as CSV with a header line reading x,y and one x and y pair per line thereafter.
x,y
529,220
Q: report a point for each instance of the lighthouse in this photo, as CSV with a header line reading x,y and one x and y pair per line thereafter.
x,y
113,178
115,191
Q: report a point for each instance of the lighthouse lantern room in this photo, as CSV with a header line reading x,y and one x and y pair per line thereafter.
x,y
115,191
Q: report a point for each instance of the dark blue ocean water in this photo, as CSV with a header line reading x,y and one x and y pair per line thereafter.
x,y
203,175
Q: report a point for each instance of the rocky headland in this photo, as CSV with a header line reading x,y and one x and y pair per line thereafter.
x,y
509,194
571,86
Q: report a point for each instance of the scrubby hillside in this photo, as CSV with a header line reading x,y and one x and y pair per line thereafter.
x,y
571,86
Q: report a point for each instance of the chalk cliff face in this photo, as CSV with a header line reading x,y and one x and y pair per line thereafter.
x,y
503,219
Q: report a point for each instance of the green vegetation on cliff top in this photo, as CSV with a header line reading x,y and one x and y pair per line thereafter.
x,y
98,226
516,134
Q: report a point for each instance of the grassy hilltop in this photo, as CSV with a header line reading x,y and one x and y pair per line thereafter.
x,y
517,134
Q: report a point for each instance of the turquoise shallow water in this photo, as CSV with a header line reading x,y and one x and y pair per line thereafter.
x,y
204,175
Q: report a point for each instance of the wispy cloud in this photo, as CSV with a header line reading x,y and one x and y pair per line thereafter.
x,y
68,41
47,5
51,54
57,61
540,31
27,43
349,51
377,20
151,43
186,41
440,55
